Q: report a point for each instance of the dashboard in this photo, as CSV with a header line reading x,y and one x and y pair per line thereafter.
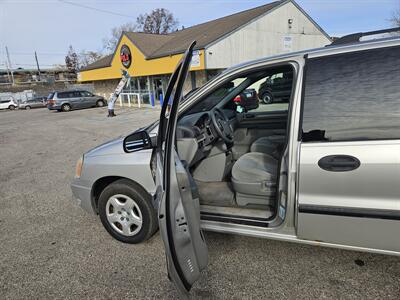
x,y
196,135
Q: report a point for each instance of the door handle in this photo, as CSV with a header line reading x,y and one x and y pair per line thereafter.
x,y
339,163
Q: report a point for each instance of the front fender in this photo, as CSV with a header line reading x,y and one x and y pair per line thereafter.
x,y
134,166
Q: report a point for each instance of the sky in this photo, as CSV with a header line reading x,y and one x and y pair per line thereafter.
x,y
50,26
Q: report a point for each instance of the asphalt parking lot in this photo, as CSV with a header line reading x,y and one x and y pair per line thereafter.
x,y
50,248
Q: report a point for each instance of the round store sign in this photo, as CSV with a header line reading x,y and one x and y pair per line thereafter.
x,y
125,56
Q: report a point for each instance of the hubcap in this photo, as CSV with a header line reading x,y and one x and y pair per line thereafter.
x,y
267,99
124,215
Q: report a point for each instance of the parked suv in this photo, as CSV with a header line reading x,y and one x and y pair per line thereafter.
x,y
321,170
8,102
276,88
37,102
68,100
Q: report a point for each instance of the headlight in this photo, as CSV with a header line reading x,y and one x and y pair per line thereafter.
x,y
78,168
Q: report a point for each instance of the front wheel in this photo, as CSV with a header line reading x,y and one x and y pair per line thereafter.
x,y
27,107
126,212
11,107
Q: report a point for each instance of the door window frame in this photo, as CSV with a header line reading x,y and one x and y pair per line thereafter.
x,y
274,222
230,75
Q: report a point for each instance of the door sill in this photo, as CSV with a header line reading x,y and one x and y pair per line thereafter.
x,y
236,215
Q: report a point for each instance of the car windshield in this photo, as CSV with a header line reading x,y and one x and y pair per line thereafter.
x,y
215,97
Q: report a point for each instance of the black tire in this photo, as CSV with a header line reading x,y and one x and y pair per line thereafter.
x,y
142,200
27,107
267,98
100,103
65,107
11,107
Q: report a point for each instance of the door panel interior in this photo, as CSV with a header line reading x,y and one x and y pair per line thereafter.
x,y
266,120
179,209
187,243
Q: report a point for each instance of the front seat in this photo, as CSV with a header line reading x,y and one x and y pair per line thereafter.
x,y
254,179
271,145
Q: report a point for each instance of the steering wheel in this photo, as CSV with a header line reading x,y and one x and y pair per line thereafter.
x,y
221,125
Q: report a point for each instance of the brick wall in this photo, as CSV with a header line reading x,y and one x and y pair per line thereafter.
x,y
40,89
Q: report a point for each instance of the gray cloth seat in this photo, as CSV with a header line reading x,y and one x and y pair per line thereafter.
x,y
254,178
269,145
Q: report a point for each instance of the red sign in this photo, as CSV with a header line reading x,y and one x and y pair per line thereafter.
x,y
125,56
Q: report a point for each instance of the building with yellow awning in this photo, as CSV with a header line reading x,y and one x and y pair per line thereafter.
x,y
277,27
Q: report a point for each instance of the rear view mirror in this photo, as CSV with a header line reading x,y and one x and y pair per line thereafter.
x,y
138,140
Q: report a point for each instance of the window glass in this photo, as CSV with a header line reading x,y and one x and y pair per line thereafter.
x,y
259,91
63,95
215,97
352,97
86,94
273,91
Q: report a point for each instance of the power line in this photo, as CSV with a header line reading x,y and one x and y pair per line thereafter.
x,y
41,53
96,9
33,65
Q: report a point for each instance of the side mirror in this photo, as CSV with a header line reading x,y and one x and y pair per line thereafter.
x,y
138,140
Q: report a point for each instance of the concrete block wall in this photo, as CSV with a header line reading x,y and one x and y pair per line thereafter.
x,y
105,87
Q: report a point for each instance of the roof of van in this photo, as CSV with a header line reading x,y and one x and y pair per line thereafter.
x,y
365,36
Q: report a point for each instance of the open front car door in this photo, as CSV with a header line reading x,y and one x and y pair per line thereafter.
x,y
179,208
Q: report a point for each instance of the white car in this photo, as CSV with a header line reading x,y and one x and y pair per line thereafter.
x,y
8,103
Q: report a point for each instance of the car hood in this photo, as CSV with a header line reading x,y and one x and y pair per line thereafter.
x,y
108,148
115,147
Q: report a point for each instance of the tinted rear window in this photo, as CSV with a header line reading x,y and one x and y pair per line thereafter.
x,y
63,95
353,96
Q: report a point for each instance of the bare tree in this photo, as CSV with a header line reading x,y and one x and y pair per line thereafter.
x,y
71,60
159,20
88,57
395,19
110,43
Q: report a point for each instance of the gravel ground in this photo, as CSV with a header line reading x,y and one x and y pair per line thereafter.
x,y
50,248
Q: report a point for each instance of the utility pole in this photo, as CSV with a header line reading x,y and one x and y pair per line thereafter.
x,y
8,71
37,64
10,66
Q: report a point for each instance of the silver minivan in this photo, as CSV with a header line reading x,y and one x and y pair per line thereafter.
x,y
69,100
322,169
